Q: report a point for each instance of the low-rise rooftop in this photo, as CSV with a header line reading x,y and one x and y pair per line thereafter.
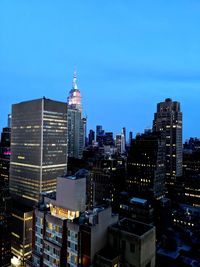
x,y
133,227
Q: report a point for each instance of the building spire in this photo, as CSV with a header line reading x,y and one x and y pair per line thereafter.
x,y
74,84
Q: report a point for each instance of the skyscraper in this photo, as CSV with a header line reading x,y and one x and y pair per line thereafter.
x,y
5,229
168,121
76,122
91,137
146,168
5,155
39,148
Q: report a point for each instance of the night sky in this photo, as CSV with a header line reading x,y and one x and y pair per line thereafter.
x,y
129,56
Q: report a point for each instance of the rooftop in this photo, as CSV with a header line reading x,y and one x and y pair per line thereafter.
x,y
82,173
136,200
108,253
133,227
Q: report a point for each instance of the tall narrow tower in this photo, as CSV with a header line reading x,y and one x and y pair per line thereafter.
x,y
168,121
76,122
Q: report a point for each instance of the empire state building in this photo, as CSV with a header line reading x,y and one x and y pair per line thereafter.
x,y
74,99
76,129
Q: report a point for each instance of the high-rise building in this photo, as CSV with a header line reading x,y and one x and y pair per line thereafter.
x,y
100,135
39,148
5,225
5,155
75,134
120,142
5,199
99,131
123,140
124,133
91,137
76,122
168,121
146,166
130,137
108,139
39,155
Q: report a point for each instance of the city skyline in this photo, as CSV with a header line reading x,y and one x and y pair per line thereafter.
x,y
129,57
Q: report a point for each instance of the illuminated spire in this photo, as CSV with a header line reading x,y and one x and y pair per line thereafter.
x,y
74,84
74,98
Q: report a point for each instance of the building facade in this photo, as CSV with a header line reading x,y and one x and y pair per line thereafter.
x,y
168,121
65,234
5,153
39,148
146,166
39,155
5,225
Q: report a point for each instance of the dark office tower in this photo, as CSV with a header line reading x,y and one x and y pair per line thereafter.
x,y
76,123
5,155
5,200
168,121
130,137
99,130
5,229
108,139
190,184
39,148
84,120
146,170
100,135
91,137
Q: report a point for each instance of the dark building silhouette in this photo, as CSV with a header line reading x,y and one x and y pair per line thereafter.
x,y
91,137
168,121
130,137
5,199
108,139
106,177
5,153
99,135
5,225
145,166
189,184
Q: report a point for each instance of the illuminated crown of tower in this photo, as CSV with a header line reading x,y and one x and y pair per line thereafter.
x,y
74,100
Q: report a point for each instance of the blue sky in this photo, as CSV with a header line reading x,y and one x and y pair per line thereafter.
x,y
129,55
